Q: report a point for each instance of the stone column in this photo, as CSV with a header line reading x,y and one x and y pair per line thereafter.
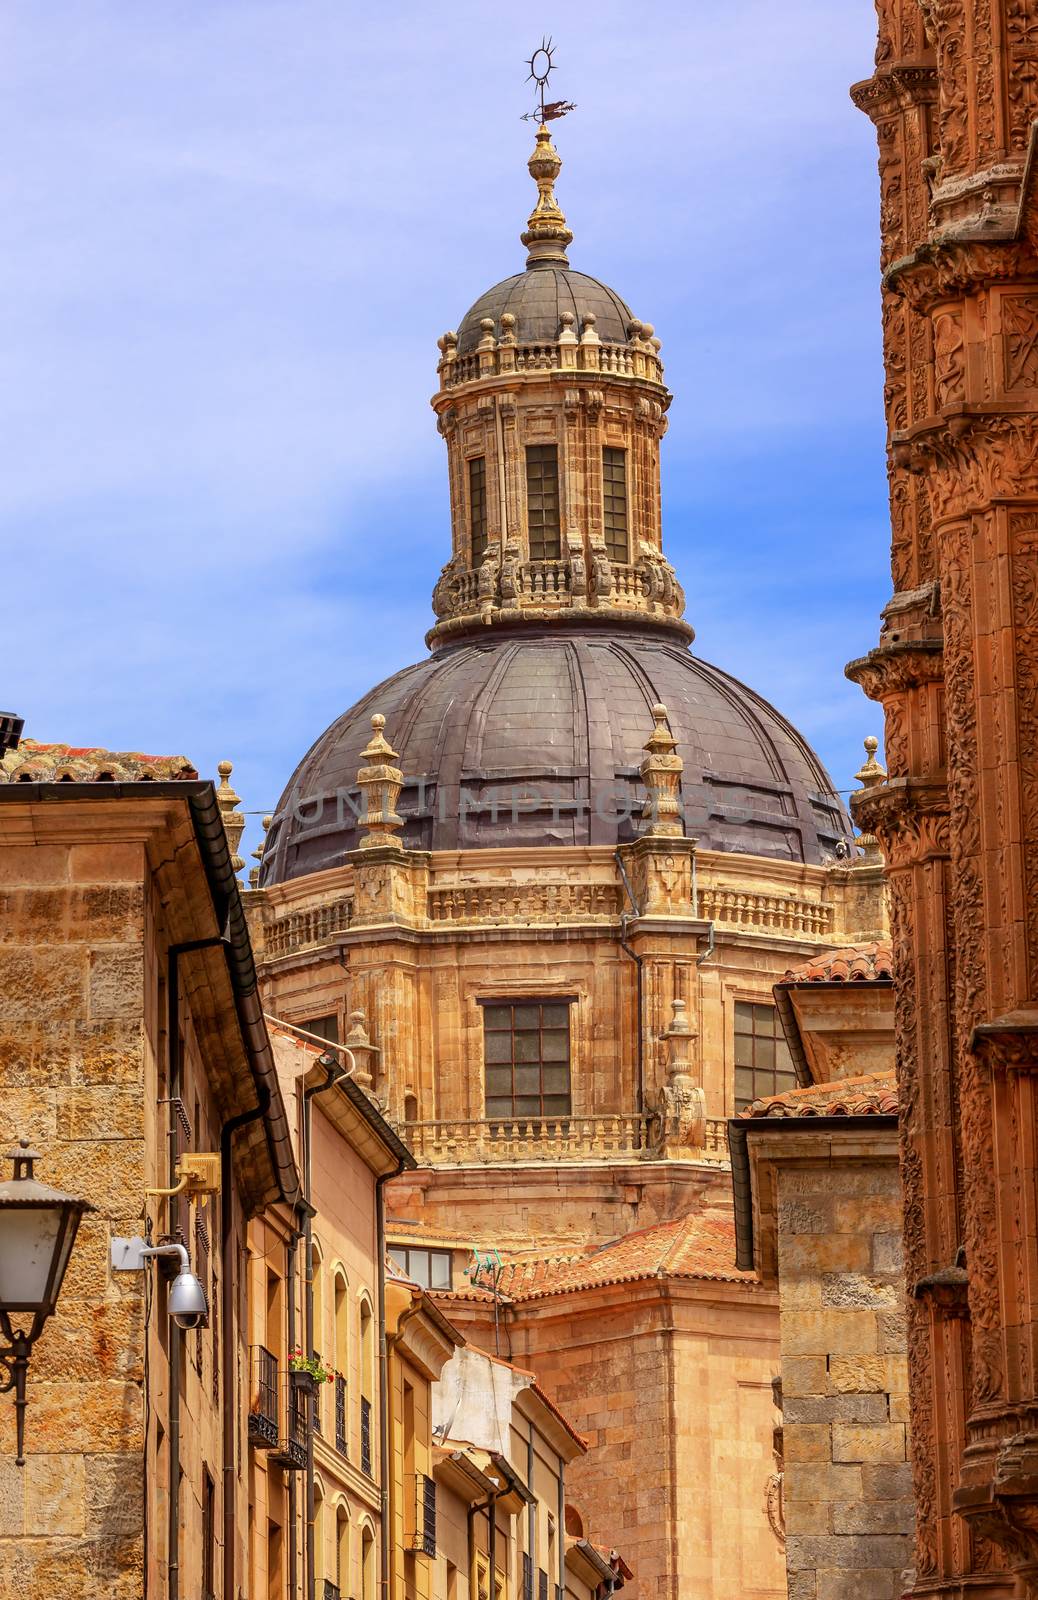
x,y
957,818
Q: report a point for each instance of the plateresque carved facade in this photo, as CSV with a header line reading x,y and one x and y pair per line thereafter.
x,y
547,877
953,97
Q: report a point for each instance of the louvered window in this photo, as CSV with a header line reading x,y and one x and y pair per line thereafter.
x,y
614,504
542,1585
542,502
527,1577
478,508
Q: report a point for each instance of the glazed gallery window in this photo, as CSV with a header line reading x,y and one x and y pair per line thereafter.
x,y
526,1058
430,1268
478,508
614,503
762,1061
542,502
324,1027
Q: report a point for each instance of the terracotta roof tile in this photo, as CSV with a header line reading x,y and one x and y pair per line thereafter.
x,y
32,762
873,1094
696,1246
854,963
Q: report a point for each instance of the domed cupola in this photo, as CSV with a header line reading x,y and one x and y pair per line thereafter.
x,y
559,619
552,404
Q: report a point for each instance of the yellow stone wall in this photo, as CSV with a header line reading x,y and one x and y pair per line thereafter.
x,y
83,964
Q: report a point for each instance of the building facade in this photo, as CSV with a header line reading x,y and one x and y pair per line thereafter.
x,y
558,865
953,100
133,1052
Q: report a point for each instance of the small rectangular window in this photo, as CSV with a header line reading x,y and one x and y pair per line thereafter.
x,y
614,504
478,508
526,1059
542,502
763,1065
326,1027
429,1268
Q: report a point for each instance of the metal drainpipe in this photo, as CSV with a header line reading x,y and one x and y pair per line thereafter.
x,y
174,1068
292,1268
489,1505
561,1527
383,1377
333,1070
638,960
228,1352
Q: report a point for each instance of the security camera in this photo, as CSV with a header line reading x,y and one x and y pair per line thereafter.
x,y
185,1302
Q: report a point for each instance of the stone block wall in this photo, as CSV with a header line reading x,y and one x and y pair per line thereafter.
x,y
847,1478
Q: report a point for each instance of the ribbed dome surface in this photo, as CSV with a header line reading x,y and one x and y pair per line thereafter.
x,y
548,729
537,298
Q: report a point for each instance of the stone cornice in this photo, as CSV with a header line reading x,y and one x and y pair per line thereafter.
x,y
893,668
945,270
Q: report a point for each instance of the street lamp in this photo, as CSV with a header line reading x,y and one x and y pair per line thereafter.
x,y
38,1227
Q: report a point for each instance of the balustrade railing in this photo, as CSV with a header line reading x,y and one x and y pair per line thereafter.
x,y
527,1138
544,579
765,911
619,359
311,925
573,1138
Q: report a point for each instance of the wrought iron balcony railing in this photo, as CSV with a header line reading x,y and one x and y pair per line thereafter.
x,y
341,1439
365,1435
331,1590
423,1533
294,1434
263,1399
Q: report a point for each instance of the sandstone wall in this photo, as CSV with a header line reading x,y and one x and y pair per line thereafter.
x,y
847,1491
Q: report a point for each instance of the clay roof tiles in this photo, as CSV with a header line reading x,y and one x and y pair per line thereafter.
x,y
873,1094
857,963
692,1247
32,762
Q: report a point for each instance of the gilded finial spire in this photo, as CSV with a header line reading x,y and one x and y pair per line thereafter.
x,y
547,234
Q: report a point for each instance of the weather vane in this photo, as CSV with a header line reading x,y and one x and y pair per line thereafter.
x,y
541,65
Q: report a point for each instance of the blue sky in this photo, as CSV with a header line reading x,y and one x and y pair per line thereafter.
x,y
232,233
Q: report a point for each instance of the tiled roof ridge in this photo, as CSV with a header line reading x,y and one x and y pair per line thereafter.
x,y
868,1094
36,762
871,961
698,1245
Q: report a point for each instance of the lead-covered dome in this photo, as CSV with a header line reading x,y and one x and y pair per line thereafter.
x,y
538,298
536,739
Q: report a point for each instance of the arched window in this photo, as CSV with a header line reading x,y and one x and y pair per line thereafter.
x,y
320,1567
342,1550
367,1386
317,1284
341,1314
367,1564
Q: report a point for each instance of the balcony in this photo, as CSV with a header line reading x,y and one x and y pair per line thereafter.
x,y
341,1440
263,1399
365,1436
422,1539
331,1590
577,1139
294,1434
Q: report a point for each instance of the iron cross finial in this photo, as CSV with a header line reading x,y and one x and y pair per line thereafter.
x,y
541,65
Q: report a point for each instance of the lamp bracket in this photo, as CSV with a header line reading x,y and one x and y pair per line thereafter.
x,y
130,1255
198,1172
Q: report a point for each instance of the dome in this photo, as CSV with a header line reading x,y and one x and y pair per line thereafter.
x,y
537,298
535,739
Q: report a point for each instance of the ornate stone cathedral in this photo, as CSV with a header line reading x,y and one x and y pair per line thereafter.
x,y
543,882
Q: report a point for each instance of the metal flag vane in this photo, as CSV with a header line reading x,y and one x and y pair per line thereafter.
x,y
541,65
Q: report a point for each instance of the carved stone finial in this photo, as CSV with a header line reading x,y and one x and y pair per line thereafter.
x,y
380,780
364,1052
233,821
661,772
870,774
547,234
257,854
681,1104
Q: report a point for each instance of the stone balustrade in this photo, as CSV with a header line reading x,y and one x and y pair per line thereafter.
x,y
524,902
309,926
765,913
605,1137
495,358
